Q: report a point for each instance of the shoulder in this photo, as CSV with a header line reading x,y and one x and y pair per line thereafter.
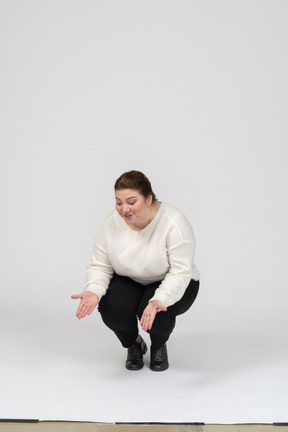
x,y
110,218
173,214
109,224
113,220
176,221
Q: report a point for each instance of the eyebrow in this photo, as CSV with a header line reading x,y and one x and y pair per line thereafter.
x,y
126,198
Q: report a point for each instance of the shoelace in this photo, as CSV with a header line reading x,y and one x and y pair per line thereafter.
x,y
160,354
135,350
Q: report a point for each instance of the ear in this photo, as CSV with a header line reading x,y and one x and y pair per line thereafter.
x,y
149,201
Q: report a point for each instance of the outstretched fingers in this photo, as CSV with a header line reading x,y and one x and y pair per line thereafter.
x,y
149,314
87,304
85,308
147,318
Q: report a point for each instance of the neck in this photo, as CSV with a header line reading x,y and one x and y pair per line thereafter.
x,y
152,210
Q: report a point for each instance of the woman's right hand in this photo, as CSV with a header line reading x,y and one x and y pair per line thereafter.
x,y
87,304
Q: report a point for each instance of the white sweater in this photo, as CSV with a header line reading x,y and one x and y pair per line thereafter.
x,y
163,251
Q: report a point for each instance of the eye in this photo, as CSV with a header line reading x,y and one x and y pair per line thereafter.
x,y
132,203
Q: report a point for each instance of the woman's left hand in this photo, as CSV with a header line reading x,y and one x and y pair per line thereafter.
x,y
149,314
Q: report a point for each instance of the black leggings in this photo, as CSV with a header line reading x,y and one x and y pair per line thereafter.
x,y
125,301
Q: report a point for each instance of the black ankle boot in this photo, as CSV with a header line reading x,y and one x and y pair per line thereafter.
x,y
135,355
159,359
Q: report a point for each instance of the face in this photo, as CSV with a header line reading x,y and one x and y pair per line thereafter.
x,y
133,207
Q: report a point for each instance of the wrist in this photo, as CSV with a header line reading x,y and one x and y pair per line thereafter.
x,y
155,303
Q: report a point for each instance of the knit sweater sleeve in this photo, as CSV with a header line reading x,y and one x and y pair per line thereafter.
x,y
180,244
99,270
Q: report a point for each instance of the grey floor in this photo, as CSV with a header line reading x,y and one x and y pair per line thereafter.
x,y
57,368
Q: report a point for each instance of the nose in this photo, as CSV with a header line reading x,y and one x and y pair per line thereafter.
x,y
126,208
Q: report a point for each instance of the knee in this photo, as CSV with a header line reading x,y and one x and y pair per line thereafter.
x,y
114,311
164,321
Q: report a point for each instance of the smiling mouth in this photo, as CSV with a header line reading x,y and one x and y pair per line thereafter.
x,y
128,216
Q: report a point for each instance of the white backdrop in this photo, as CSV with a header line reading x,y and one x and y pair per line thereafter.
x,y
192,93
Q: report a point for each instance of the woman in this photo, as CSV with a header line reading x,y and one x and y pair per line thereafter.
x,y
142,267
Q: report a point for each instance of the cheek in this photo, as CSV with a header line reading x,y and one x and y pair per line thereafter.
x,y
138,209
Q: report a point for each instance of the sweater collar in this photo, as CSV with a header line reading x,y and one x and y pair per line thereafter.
x,y
145,231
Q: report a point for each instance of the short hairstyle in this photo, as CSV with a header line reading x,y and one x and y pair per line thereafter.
x,y
135,180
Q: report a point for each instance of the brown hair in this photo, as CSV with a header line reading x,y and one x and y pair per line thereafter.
x,y
135,180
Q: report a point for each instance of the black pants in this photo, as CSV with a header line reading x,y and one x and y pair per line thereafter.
x,y
125,301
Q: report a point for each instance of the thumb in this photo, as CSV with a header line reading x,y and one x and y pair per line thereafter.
x,y
76,296
163,308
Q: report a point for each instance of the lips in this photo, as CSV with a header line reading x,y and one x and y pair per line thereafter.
x,y
128,216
